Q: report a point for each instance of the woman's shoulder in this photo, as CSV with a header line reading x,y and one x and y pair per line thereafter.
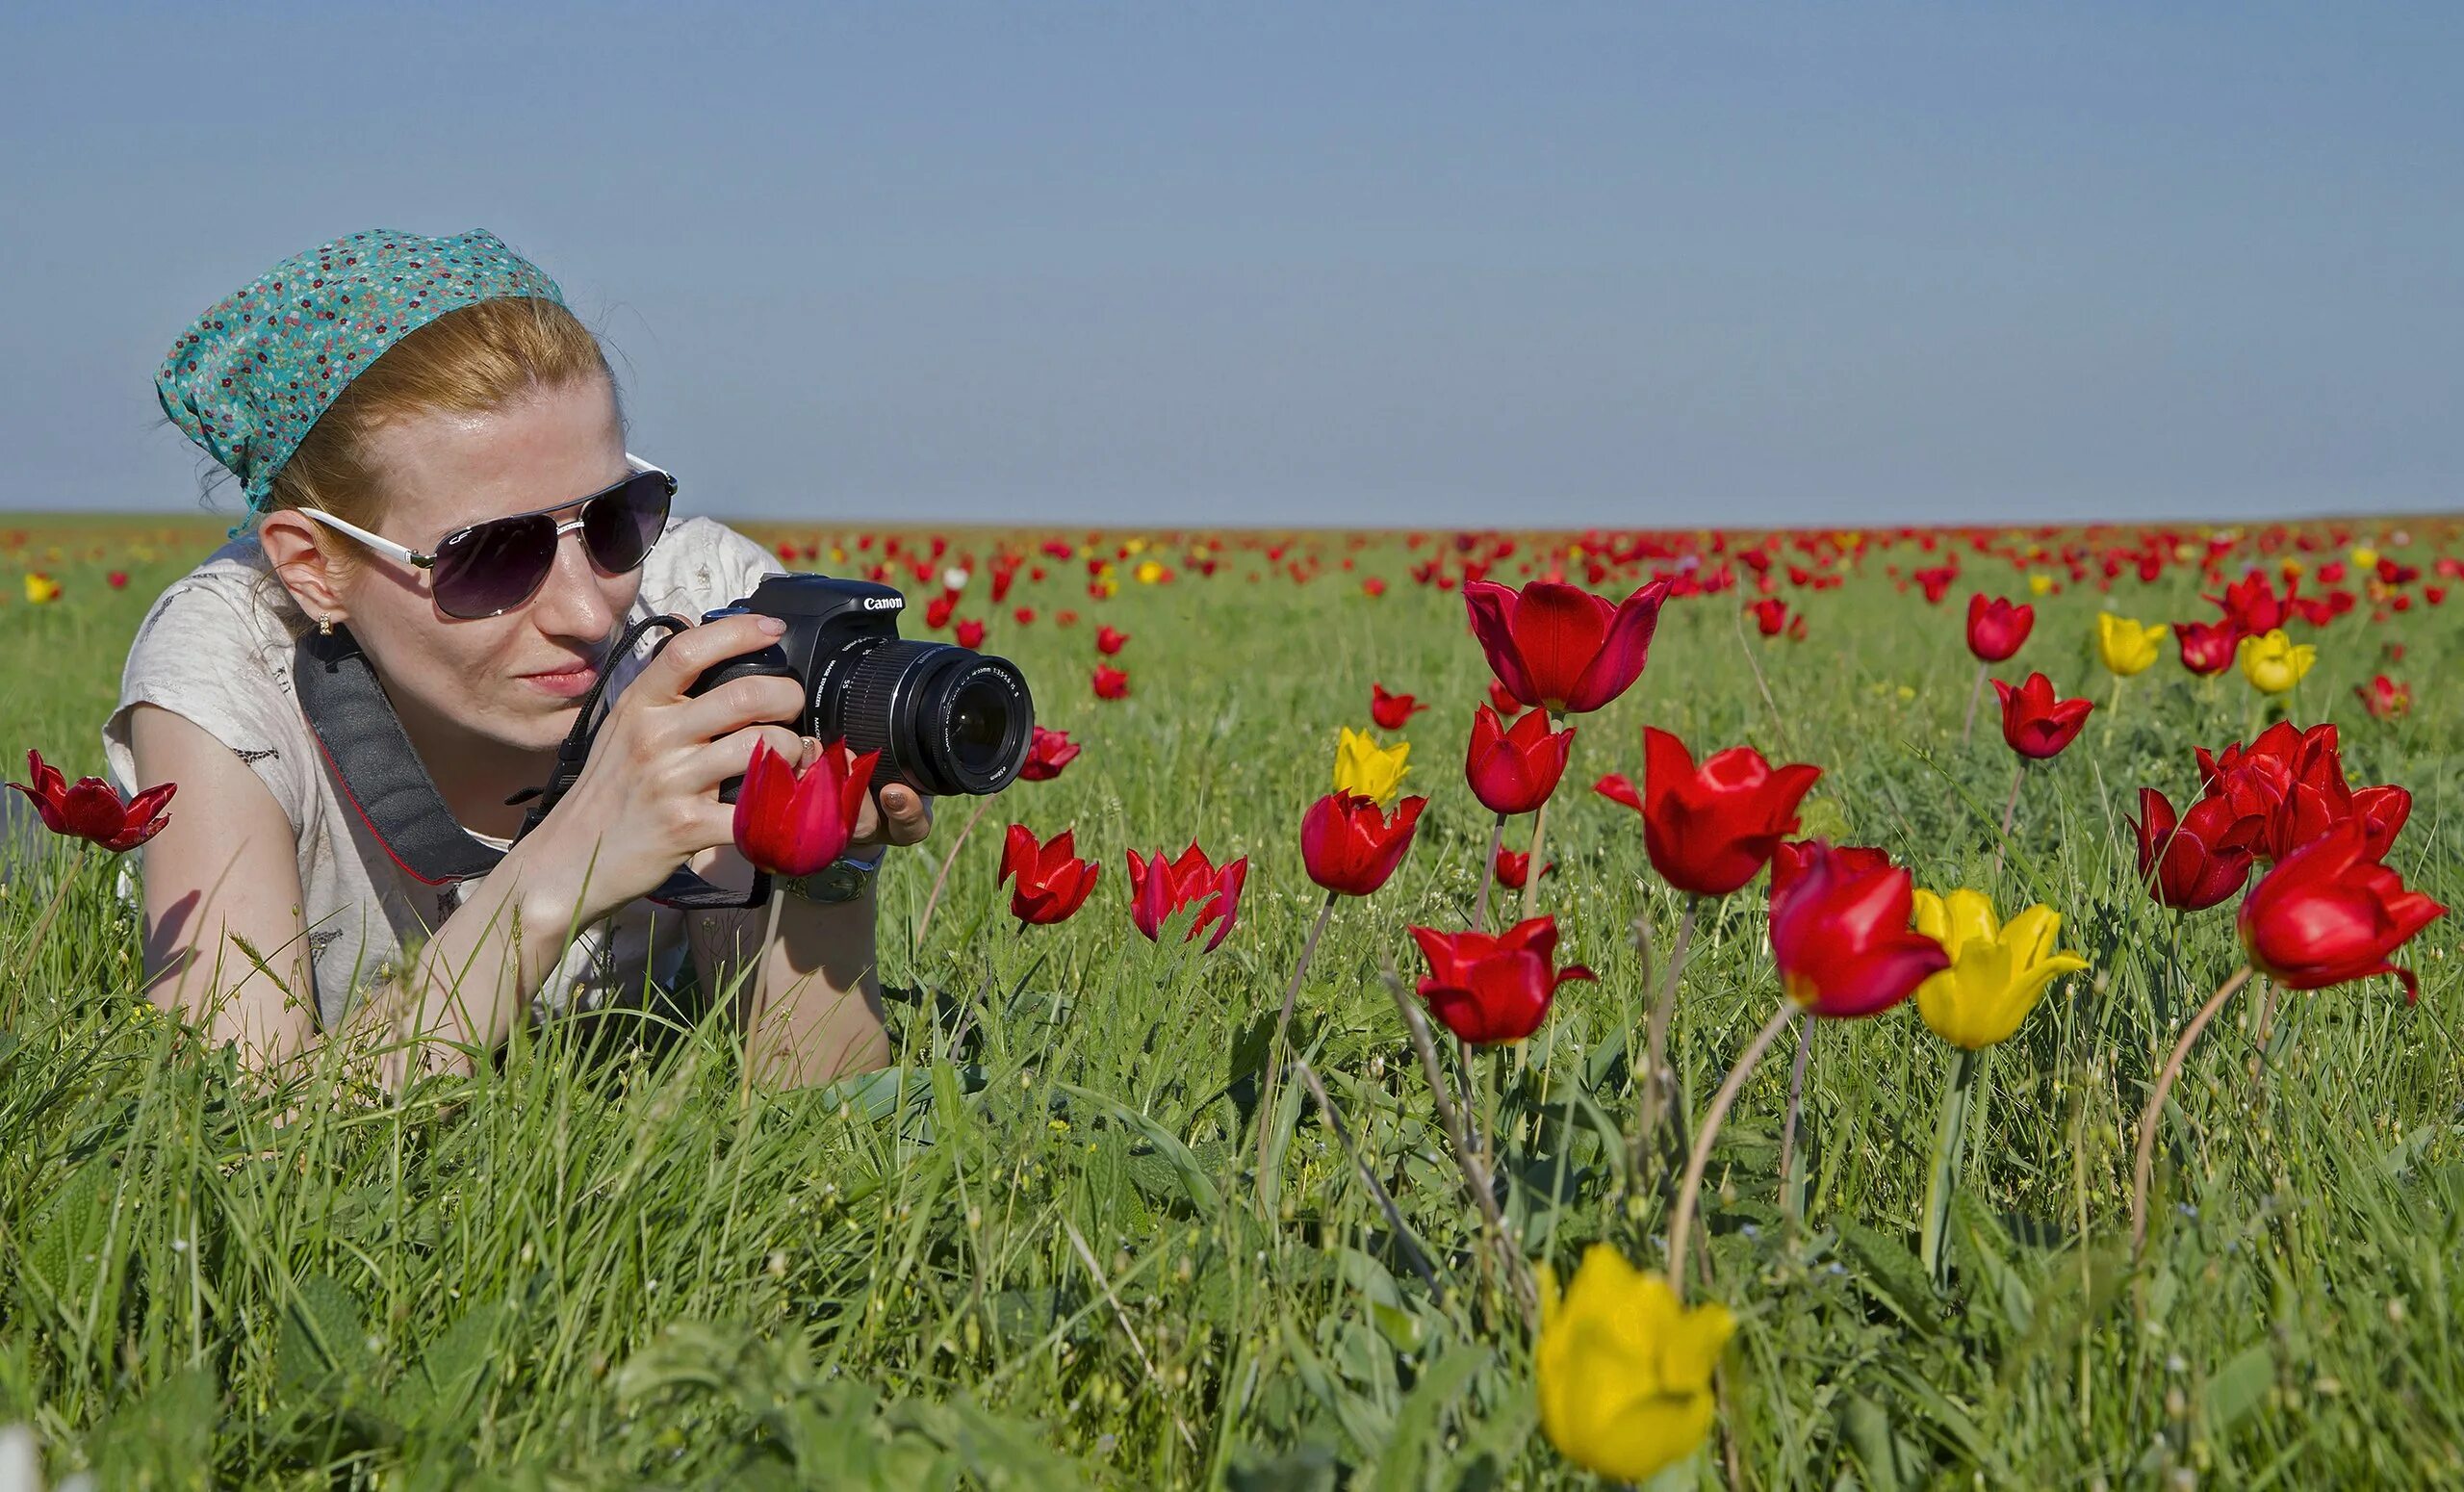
x,y
229,607
699,564
216,647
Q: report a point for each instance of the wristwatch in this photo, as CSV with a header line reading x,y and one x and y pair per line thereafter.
x,y
844,879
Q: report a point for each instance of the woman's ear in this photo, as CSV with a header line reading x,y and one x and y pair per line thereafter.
x,y
292,546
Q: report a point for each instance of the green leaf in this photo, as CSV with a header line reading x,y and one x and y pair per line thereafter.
x,y
2237,1387
1195,1181
1400,1467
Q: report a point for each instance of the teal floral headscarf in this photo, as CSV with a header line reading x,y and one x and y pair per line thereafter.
x,y
250,377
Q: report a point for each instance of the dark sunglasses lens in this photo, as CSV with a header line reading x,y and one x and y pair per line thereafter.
x,y
622,525
494,567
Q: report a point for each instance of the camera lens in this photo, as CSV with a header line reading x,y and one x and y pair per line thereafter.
x,y
946,720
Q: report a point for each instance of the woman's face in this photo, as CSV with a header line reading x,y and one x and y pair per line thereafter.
x,y
516,678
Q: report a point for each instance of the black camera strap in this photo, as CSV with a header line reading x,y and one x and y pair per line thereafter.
x,y
369,758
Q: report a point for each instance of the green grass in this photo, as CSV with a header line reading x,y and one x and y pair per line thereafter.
x,y
1035,1257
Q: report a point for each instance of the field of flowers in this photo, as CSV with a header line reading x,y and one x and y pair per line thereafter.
x,y
1243,1133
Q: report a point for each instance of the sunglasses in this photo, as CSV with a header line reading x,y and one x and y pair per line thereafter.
x,y
490,567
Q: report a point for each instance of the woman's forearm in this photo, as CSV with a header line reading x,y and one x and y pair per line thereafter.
x,y
813,1011
466,985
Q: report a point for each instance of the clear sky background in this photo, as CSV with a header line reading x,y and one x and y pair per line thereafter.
x,y
1327,263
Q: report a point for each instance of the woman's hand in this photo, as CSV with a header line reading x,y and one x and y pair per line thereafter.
x,y
892,814
646,799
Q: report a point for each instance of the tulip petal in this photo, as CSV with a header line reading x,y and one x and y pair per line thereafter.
x,y
1492,607
1622,652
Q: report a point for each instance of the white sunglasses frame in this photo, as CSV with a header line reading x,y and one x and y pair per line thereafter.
x,y
405,555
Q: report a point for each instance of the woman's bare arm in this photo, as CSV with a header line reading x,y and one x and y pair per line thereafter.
x,y
814,1009
225,939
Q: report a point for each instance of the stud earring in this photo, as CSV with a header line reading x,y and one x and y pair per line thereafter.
x,y
325,625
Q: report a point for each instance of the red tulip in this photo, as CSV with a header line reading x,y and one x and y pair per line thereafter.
x,y
1790,856
1390,710
1935,581
970,634
1109,641
1514,867
2328,913
1111,683
1503,700
1048,752
1708,830
2250,606
2294,781
1841,938
1489,988
1561,647
2197,859
2034,723
1771,615
118,579
1052,881
2384,698
936,611
1351,846
1995,627
2207,647
1158,888
90,808
1514,771
792,823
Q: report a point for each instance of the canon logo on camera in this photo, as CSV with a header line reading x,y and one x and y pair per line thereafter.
x,y
883,603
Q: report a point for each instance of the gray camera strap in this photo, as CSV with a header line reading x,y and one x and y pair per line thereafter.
x,y
371,760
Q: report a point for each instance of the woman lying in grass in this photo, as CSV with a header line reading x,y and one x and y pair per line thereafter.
x,y
432,450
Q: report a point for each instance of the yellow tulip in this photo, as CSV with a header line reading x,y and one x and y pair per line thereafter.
x,y
1999,970
2040,584
1363,766
1149,571
2126,647
2275,662
1625,1370
40,588
2364,557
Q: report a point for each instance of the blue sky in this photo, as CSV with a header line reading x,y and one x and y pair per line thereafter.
x,y
1349,263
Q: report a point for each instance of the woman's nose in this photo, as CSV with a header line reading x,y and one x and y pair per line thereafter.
x,y
573,602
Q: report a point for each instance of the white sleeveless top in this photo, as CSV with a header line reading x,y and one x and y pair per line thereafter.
x,y
217,648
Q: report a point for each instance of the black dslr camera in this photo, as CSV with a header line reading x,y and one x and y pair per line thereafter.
x,y
947,719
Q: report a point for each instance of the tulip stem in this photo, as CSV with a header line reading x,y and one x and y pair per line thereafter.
x,y
1791,1192
942,876
760,990
2113,709
42,925
1659,1085
2010,814
1413,1253
1682,1222
1269,1089
1942,1178
1976,692
1475,1177
2143,1170
1532,871
1779,722
1488,875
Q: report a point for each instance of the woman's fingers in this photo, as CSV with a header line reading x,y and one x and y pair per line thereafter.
x,y
907,815
732,754
697,650
894,813
739,703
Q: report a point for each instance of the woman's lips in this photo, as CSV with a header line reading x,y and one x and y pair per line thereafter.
x,y
564,684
